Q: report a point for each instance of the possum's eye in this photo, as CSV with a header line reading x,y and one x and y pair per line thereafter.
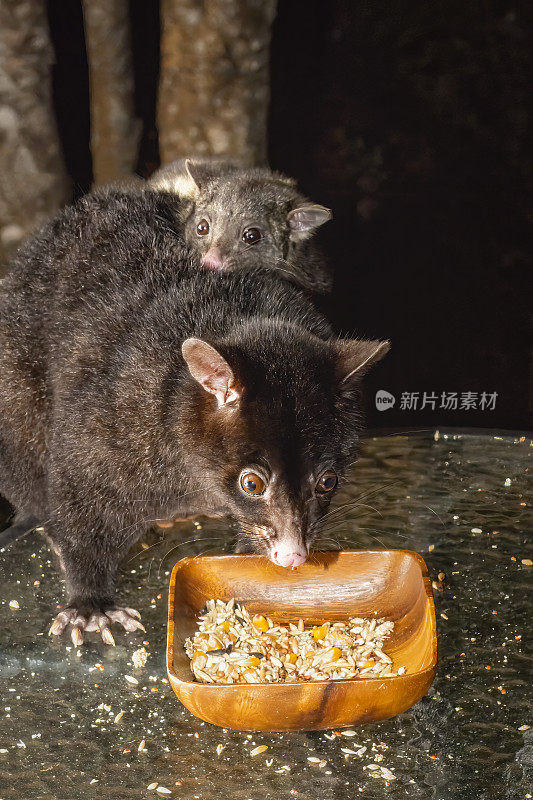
x,y
252,483
251,235
202,229
327,482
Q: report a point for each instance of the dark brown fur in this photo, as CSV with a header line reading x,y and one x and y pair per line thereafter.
x,y
102,426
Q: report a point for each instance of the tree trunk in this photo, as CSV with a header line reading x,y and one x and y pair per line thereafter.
x,y
34,182
115,132
214,87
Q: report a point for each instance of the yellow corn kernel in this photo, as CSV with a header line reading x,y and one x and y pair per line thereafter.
x,y
199,658
252,662
366,664
330,655
292,658
319,632
260,623
225,625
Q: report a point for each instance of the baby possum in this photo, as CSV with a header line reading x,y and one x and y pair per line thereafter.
x,y
236,216
135,387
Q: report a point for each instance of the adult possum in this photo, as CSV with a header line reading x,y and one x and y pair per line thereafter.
x,y
134,387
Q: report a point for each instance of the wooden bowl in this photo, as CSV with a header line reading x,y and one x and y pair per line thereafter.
x,y
331,586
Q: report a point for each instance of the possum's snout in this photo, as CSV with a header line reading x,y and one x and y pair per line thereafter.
x,y
213,259
288,548
288,555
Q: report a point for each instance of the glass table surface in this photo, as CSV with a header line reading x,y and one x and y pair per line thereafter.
x,y
95,723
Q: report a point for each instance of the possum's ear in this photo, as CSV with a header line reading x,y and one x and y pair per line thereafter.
x,y
356,356
211,370
304,220
202,172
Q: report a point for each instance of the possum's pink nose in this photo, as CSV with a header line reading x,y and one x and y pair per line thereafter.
x,y
213,259
286,557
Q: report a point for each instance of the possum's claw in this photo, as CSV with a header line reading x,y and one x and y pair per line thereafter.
x,y
126,617
95,620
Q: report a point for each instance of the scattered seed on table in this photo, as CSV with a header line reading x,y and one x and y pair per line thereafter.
x,y
220,748
349,733
524,727
131,679
14,604
527,562
138,657
152,786
163,790
142,745
119,716
314,759
257,750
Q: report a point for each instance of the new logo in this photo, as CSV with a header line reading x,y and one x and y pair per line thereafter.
x,y
384,400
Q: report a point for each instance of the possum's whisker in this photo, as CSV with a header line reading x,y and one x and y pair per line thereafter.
x,y
403,433
357,529
180,496
164,538
432,511
138,524
381,488
353,504
177,547
322,540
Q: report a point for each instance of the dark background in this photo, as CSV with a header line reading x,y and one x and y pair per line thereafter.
x,y
410,120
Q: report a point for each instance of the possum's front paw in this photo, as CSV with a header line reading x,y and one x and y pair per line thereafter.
x,y
94,619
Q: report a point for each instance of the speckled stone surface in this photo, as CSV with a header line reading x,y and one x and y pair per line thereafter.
x,y
460,500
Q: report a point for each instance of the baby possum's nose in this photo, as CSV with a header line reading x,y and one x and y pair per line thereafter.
x,y
213,259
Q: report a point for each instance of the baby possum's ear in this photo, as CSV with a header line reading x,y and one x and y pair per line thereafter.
x,y
211,370
201,172
304,219
356,356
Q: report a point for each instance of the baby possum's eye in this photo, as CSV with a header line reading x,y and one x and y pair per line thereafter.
x,y
327,482
252,483
202,229
251,235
